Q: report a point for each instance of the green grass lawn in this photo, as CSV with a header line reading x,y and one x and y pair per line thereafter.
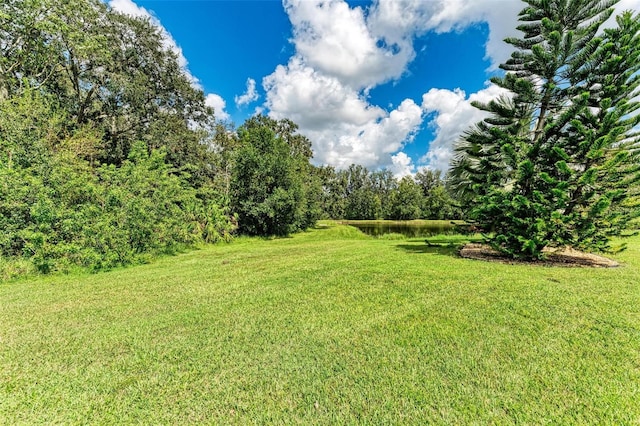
x,y
327,327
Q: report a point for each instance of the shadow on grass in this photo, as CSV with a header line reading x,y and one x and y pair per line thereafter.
x,y
447,245
422,247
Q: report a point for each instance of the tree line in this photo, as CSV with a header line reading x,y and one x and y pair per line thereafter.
x,y
109,154
275,190
357,193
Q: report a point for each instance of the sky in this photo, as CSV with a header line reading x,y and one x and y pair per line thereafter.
x,y
380,83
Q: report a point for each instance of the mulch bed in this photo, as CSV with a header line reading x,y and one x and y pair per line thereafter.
x,y
567,257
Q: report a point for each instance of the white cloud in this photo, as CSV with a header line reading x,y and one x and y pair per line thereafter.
x,y
324,86
343,52
251,95
343,126
401,165
314,100
396,20
335,40
128,7
453,115
218,104
454,15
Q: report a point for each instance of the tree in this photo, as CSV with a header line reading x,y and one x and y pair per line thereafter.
x,y
268,189
108,70
333,192
384,184
104,142
428,179
57,209
407,200
362,203
438,203
556,163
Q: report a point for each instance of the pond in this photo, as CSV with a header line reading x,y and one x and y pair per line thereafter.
x,y
410,229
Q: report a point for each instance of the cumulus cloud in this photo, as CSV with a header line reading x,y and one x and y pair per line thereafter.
x,y
344,127
314,100
251,95
401,165
342,52
218,104
336,40
397,20
324,86
452,114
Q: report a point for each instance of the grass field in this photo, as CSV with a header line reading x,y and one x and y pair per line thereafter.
x,y
327,327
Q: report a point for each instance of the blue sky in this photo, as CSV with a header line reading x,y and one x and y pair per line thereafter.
x,y
382,83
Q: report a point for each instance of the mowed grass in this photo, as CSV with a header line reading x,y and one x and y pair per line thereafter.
x,y
326,327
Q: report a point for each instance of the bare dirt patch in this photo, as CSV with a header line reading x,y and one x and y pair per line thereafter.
x,y
566,257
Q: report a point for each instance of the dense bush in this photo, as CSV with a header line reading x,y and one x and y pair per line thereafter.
x,y
73,215
59,210
105,157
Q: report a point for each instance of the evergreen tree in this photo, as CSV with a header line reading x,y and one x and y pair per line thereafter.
x,y
556,163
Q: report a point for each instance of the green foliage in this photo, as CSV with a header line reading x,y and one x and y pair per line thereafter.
x,y
147,209
363,204
105,155
357,194
438,203
58,210
267,186
332,196
407,201
110,71
361,200
384,185
570,178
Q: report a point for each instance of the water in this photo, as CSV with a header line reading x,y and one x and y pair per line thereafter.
x,y
408,229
